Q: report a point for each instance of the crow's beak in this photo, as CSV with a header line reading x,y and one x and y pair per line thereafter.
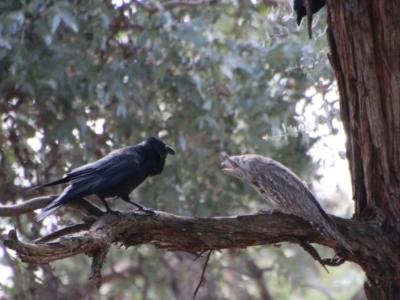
x,y
170,150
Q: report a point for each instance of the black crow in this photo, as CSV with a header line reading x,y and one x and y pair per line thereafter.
x,y
301,11
115,175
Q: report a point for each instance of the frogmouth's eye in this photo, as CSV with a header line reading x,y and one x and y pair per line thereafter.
x,y
234,164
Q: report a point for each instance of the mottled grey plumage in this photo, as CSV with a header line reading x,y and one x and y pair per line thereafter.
x,y
281,187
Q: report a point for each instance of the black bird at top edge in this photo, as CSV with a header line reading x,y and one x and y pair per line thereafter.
x,y
301,11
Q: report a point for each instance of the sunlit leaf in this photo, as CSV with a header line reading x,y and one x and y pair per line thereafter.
x,y
55,23
69,20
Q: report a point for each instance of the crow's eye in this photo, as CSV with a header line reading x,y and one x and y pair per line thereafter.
x,y
234,164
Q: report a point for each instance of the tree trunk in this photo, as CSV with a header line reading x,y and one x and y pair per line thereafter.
x,y
364,39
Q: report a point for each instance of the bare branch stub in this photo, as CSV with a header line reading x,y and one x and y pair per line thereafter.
x,y
97,264
81,204
335,261
67,246
87,223
62,232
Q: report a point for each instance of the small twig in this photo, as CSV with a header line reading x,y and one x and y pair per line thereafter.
x,y
314,254
199,255
59,233
202,274
335,261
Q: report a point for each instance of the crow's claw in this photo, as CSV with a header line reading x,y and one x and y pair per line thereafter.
x,y
146,210
114,212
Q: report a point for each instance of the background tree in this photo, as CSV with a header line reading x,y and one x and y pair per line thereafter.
x,y
81,79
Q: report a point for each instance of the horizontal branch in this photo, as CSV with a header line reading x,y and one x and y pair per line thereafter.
x,y
188,234
193,235
174,233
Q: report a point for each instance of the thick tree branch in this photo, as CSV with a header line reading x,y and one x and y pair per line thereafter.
x,y
196,235
176,233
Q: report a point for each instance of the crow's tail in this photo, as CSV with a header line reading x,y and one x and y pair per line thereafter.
x,y
62,180
54,205
48,210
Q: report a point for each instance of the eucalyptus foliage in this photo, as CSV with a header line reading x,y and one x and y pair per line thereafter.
x,y
81,78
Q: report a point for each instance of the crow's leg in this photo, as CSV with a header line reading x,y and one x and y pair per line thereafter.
x,y
109,210
140,207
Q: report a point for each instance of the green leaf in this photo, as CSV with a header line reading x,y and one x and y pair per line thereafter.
x,y
55,22
69,20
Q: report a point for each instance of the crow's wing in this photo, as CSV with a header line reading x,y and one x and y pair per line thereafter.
x,y
104,174
115,175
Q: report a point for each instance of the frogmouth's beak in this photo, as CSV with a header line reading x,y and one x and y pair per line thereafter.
x,y
170,150
226,164
226,168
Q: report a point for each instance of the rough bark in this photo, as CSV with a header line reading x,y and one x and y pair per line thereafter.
x,y
364,39
176,233
196,235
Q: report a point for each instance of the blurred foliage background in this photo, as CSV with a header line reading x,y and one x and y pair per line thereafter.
x,y
81,78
